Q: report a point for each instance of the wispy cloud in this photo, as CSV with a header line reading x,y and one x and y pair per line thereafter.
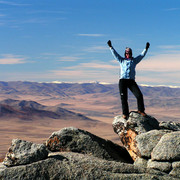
x,y
99,49
85,76
93,65
172,9
68,58
92,71
2,15
12,59
46,12
169,47
13,3
33,21
91,35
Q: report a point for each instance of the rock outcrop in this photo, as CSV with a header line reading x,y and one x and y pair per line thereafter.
x,y
69,165
151,144
77,140
73,153
129,129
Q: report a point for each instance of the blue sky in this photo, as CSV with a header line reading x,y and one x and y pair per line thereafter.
x,y
65,40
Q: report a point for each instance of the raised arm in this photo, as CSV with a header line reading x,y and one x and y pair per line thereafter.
x,y
114,53
141,56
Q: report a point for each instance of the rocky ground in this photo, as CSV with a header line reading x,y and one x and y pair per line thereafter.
x,y
151,151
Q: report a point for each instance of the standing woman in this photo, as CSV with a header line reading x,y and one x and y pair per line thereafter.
x,y
127,79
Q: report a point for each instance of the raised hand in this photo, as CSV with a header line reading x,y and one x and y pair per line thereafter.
x,y
109,43
147,45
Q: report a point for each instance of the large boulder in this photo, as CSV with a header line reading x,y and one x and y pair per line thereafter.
x,y
24,152
147,141
168,148
77,140
129,129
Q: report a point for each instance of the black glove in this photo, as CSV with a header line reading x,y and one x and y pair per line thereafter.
x,y
147,45
109,43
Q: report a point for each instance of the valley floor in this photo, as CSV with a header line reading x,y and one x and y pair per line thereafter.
x,y
98,107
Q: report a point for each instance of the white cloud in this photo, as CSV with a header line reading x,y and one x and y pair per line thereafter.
x,y
12,59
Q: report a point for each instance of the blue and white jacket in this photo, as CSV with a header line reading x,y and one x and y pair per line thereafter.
x,y
128,65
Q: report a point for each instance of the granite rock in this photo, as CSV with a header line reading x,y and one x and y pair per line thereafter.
x,y
147,141
76,166
162,166
77,140
170,125
168,148
129,129
24,152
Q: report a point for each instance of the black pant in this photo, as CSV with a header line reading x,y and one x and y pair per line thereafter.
x,y
124,84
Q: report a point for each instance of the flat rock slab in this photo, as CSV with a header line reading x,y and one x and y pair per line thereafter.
x,y
24,152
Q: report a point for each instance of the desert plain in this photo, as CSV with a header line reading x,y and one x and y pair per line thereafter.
x,y
101,106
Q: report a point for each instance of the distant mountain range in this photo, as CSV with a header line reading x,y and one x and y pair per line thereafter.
x,y
72,97
28,110
70,89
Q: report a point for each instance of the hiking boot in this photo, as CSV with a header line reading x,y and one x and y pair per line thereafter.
x,y
125,117
142,113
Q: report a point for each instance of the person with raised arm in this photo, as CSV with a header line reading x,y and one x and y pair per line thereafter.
x,y
127,79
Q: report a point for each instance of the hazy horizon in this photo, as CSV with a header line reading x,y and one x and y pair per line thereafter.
x,y
67,40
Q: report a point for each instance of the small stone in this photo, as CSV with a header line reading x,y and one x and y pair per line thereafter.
x,y
140,162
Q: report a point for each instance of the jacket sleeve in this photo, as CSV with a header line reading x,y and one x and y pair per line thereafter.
x,y
116,55
140,57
